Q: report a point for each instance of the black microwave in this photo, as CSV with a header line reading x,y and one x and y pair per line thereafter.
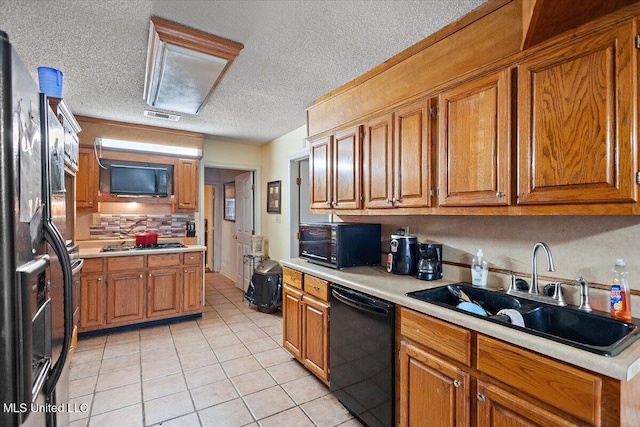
x,y
340,244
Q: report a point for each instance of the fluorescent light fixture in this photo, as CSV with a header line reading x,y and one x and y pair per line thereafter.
x,y
184,65
118,144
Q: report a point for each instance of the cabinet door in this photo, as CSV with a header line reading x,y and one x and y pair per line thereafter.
x,y
433,392
315,336
498,408
320,173
192,289
292,321
187,183
346,167
576,121
377,163
92,308
474,142
163,292
412,156
86,180
125,297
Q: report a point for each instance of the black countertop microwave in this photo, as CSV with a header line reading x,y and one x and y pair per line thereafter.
x,y
340,244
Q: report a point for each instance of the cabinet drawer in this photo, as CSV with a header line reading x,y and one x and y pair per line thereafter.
x,y
93,265
292,278
447,339
192,258
316,287
125,263
163,260
560,385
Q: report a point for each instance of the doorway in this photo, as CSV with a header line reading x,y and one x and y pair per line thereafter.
x,y
209,230
224,257
299,191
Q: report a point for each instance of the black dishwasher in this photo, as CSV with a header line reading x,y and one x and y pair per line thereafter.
x,y
361,355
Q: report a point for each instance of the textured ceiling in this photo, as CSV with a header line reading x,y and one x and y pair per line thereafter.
x,y
295,51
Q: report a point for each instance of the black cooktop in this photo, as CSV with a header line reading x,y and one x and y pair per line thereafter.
x,y
128,247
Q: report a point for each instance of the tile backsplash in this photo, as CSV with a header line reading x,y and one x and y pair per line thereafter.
x,y
115,226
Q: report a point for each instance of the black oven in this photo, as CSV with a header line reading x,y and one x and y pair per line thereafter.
x,y
340,244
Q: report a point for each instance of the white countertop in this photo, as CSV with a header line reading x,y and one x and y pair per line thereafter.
x,y
378,282
91,251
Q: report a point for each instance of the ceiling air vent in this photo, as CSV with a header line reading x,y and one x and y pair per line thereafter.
x,y
159,115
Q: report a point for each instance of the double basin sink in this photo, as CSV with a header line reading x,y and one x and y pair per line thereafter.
x,y
596,332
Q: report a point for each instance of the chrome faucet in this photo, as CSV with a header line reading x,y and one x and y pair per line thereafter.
x,y
533,289
584,294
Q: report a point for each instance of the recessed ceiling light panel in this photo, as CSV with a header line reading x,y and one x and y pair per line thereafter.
x,y
184,65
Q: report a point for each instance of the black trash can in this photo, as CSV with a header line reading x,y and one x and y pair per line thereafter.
x,y
265,287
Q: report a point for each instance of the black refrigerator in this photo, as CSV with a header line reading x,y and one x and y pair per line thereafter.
x,y
34,259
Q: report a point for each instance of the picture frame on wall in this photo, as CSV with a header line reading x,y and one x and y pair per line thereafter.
x,y
229,213
273,196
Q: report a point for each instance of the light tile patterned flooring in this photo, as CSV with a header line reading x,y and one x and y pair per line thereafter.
x,y
226,369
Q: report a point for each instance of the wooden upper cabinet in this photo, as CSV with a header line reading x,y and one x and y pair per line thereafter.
x,y
377,163
412,156
335,170
347,174
86,180
576,121
187,182
320,173
474,142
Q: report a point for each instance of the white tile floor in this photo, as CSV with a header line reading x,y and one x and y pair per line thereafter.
x,y
226,369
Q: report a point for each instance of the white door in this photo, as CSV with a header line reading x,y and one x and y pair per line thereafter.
x,y
244,227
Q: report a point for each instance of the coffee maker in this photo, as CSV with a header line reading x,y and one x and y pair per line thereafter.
x,y
430,264
403,253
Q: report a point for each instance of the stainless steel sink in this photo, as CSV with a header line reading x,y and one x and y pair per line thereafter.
x,y
596,332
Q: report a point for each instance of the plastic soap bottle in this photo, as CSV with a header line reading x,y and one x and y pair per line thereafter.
x,y
620,293
479,270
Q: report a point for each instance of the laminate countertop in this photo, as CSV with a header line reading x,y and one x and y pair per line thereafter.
x,y
95,252
376,281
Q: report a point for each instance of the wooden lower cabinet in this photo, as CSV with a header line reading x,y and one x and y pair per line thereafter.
x,y
447,387
91,301
192,289
315,337
292,321
125,297
124,290
498,407
163,292
305,321
501,385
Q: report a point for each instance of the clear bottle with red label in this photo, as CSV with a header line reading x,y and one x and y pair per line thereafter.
x,y
620,293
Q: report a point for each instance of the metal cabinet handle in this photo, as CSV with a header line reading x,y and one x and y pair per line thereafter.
x,y
481,397
457,383
499,194
99,279
141,276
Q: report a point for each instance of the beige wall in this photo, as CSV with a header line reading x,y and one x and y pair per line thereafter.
x,y
581,245
276,156
231,153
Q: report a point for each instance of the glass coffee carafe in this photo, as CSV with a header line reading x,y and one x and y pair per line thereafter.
x,y
430,264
